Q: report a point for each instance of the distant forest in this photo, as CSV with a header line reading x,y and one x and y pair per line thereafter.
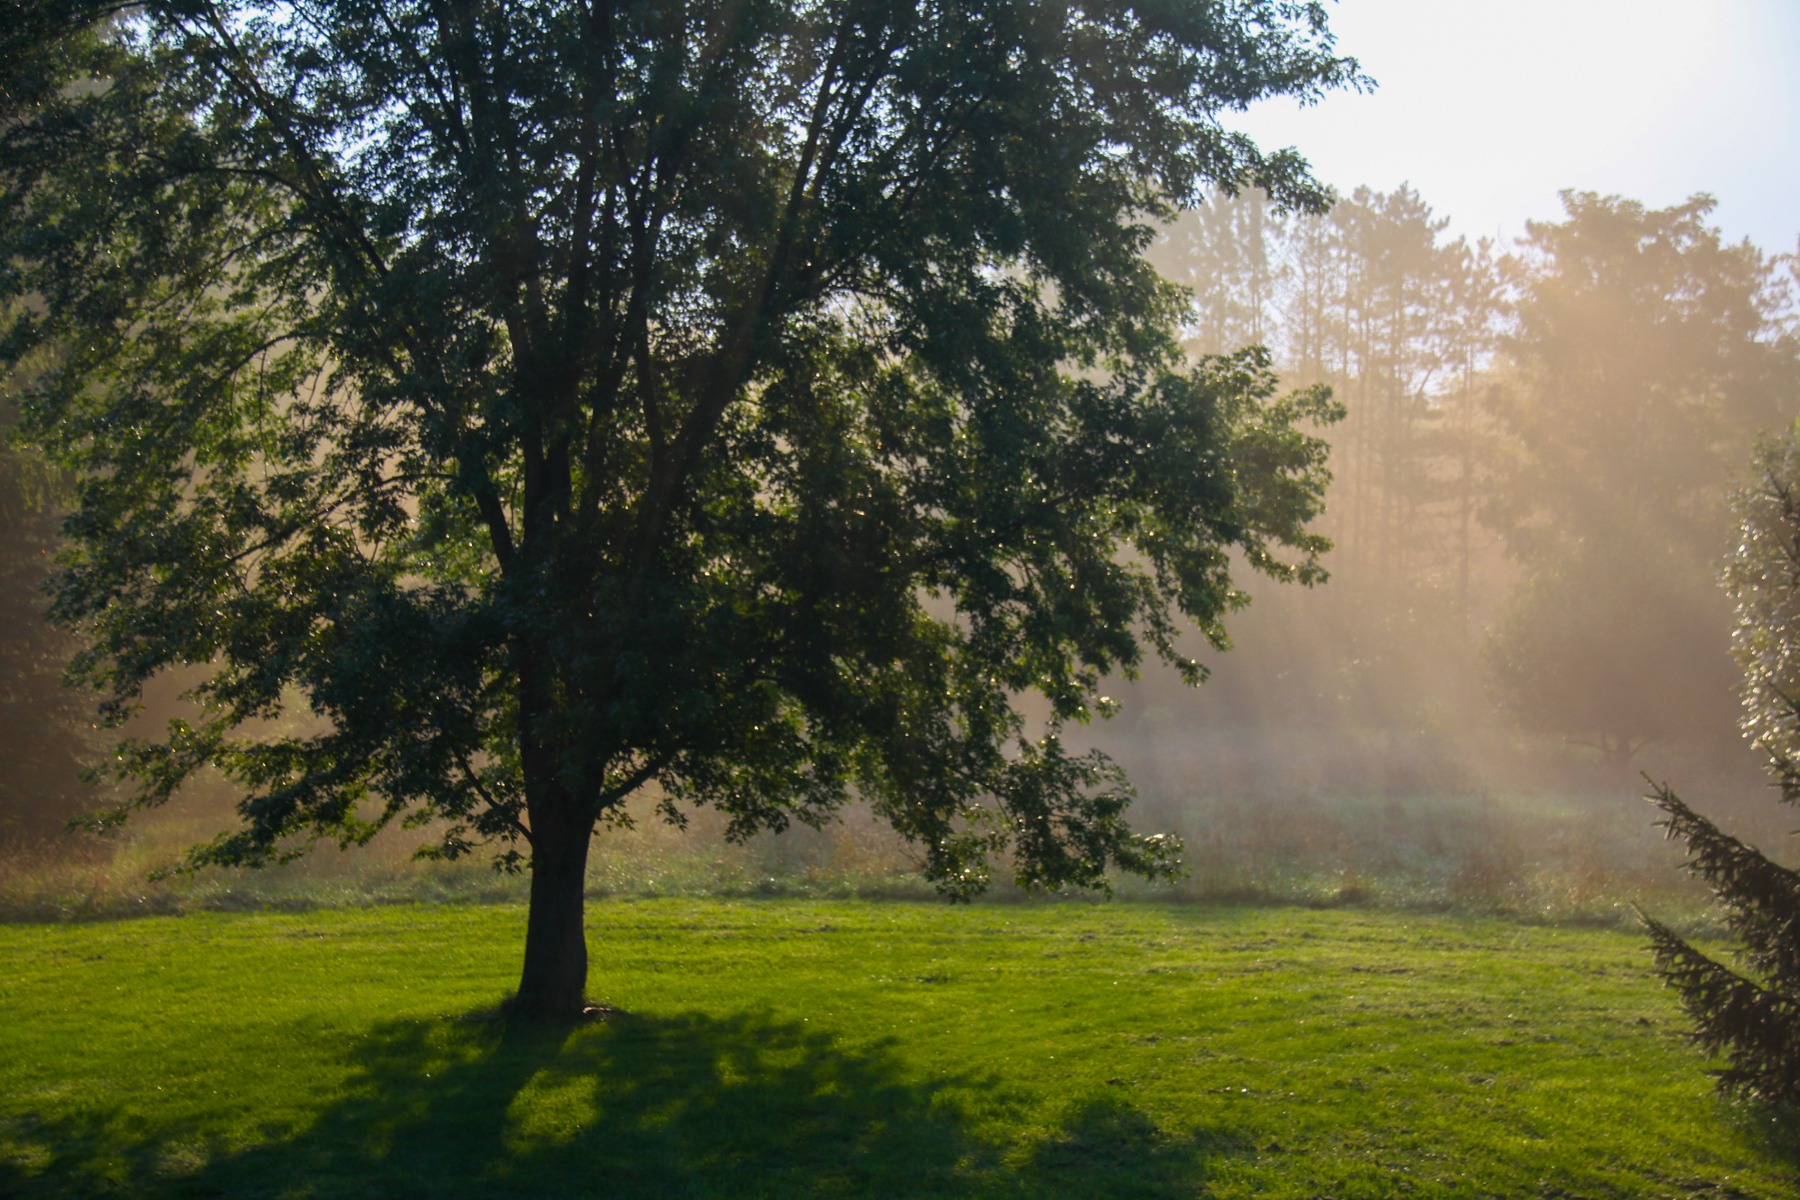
x,y
1530,496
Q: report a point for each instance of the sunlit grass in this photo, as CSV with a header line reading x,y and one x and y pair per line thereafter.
x,y
791,1048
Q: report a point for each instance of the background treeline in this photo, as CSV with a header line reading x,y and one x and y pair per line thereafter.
x,y
1530,501
1530,510
46,730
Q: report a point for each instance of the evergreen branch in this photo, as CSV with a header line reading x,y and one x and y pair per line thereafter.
x,y
1756,1028
1762,897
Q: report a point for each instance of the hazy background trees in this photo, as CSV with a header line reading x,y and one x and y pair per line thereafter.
x,y
44,726
1529,510
1644,357
1529,503
46,729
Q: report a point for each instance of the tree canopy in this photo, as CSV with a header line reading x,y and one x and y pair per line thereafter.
x,y
746,402
1646,355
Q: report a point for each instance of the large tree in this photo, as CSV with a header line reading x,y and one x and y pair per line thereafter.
x,y
1645,356
746,402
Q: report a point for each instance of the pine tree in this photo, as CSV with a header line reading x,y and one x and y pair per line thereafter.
x,y
1753,1017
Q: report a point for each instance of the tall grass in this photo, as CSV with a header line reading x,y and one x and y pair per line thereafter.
x,y
1532,856
1556,858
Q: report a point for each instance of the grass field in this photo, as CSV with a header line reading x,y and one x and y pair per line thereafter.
x,y
861,1049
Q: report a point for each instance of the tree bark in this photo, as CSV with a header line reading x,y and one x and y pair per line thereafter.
x,y
553,984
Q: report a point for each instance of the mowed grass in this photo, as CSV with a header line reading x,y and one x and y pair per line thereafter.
x,y
858,1049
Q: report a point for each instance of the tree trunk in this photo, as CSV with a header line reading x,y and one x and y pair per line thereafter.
x,y
553,985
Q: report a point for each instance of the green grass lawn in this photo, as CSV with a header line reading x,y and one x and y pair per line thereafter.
x,y
787,1048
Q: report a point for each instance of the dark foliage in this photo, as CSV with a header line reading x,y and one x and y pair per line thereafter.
x,y
540,403
1754,1020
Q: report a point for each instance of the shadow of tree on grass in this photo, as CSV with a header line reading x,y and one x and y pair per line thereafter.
x,y
1110,1148
685,1106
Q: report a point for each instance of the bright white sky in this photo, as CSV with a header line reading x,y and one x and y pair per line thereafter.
x,y
1489,109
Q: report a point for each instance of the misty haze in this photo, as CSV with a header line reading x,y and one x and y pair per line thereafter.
x,y
1529,511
